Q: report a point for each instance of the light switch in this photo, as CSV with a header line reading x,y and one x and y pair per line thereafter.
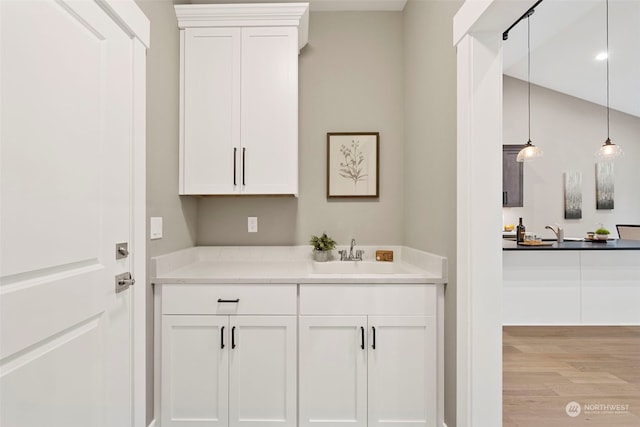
x,y
252,224
155,231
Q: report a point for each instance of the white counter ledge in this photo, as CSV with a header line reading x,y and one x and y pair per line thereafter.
x,y
293,264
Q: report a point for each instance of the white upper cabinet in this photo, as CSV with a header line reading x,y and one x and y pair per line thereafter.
x,y
239,97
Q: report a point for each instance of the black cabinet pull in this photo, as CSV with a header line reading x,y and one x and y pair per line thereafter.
x,y
373,346
362,337
237,300
505,197
233,337
222,337
244,150
235,150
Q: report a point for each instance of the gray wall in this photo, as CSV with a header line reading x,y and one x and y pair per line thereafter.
x,y
569,131
351,80
430,152
391,72
179,216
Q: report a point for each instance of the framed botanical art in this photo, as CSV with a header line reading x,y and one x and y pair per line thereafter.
x,y
353,164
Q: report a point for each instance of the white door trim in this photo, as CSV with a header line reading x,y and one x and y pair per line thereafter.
x,y
138,240
134,22
129,17
477,34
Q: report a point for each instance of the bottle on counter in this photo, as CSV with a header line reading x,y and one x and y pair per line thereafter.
x,y
520,230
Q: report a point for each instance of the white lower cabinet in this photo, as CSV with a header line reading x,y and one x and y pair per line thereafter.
x,y
227,370
363,369
195,371
402,371
333,371
324,355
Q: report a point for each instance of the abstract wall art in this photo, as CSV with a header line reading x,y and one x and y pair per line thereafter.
x,y
572,195
604,185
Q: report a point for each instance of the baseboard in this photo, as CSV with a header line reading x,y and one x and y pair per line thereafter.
x,y
153,424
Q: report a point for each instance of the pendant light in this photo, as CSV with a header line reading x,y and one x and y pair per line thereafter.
x,y
530,151
609,150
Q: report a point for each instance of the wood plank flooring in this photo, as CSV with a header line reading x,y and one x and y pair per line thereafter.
x,y
547,367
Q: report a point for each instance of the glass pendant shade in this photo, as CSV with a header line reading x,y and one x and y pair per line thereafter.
x,y
609,151
529,152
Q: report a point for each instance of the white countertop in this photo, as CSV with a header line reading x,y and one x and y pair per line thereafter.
x,y
293,264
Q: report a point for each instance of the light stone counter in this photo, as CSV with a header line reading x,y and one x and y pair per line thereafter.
x,y
293,264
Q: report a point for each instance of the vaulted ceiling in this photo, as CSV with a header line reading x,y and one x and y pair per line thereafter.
x,y
566,36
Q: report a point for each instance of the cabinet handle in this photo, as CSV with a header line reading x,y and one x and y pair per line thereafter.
x,y
244,150
233,337
222,337
373,346
362,337
505,197
237,300
235,151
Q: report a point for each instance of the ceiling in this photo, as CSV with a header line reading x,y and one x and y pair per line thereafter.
x,y
566,36
322,5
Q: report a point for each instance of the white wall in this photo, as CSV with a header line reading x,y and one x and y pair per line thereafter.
x,y
570,130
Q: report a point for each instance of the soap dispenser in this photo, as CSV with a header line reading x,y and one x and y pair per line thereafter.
x,y
560,234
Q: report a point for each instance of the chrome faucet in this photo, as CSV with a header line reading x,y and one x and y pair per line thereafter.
x,y
351,256
559,232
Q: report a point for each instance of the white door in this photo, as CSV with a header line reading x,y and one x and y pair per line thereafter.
x,y
402,371
67,130
262,371
269,118
333,371
210,147
195,371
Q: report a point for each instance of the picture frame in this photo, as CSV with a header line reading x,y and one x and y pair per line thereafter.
x,y
353,164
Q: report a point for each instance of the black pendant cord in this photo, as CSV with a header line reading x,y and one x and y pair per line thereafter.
x,y
529,70
607,27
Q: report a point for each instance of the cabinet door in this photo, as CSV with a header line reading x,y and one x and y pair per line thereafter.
x,y
402,371
210,111
194,371
333,383
269,110
262,366
512,177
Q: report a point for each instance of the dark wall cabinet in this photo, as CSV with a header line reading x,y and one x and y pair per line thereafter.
x,y
512,177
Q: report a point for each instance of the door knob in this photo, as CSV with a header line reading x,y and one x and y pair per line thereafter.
x,y
123,281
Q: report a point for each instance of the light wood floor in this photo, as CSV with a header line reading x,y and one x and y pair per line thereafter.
x,y
545,368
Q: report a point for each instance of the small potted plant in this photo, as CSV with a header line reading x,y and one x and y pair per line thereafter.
x,y
322,247
601,233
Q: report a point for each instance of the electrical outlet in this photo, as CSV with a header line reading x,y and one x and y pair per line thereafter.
x,y
252,224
